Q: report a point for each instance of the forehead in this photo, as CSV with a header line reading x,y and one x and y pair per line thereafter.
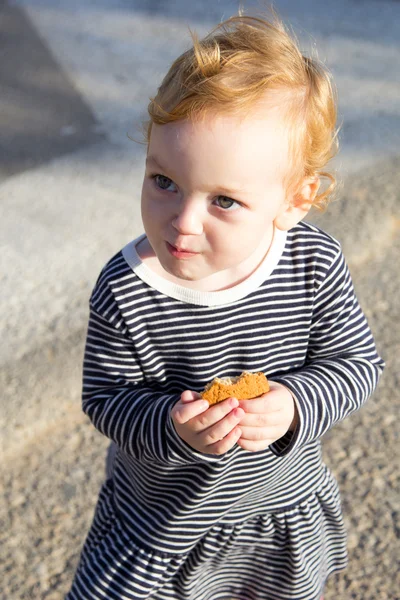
x,y
251,144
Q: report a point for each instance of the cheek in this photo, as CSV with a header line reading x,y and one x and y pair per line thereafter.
x,y
246,230
236,242
153,211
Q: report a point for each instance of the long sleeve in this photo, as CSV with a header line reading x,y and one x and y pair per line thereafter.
x,y
118,401
342,366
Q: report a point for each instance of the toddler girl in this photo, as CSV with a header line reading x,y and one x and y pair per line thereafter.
x,y
231,501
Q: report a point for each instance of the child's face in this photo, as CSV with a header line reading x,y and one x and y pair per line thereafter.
x,y
213,191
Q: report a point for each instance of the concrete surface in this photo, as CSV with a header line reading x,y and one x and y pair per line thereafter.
x,y
42,115
75,85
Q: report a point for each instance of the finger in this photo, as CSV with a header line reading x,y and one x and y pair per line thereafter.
x,y
255,419
189,396
277,396
273,419
253,446
182,413
255,434
215,413
255,405
259,434
226,443
221,429
267,403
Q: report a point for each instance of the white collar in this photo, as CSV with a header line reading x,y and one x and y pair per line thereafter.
x,y
202,298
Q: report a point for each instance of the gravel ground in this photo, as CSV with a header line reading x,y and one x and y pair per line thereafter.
x,y
54,458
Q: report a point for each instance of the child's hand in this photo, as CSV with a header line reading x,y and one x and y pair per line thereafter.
x,y
267,418
208,429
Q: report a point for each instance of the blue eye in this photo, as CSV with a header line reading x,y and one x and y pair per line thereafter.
x,y
227,203
163,182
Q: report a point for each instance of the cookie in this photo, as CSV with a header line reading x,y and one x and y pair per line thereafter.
x,y
247,385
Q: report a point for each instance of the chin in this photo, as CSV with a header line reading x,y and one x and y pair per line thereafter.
x,y
184,276
177,272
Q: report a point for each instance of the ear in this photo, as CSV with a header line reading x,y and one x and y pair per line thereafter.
x,y
297,205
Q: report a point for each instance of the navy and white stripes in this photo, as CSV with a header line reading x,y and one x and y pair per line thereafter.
x,y
302,326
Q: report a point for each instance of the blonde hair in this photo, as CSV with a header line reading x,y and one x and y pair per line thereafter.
x,y
233,67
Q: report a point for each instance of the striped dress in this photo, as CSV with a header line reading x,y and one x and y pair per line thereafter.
x,y
172,523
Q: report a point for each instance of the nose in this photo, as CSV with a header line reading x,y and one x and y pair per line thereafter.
x,y
189,220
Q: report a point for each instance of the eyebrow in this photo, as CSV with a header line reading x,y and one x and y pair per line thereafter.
x,y
152,159
223,189
230,192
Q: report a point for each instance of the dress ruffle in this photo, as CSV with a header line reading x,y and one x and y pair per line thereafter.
x,y
278,556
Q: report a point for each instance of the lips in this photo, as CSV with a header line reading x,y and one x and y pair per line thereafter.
x,y
180,252
182,249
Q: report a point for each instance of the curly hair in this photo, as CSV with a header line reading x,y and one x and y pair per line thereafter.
x,y
241,61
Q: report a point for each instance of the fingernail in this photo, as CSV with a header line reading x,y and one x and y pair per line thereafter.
x,y
204,404
239,412
233,402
